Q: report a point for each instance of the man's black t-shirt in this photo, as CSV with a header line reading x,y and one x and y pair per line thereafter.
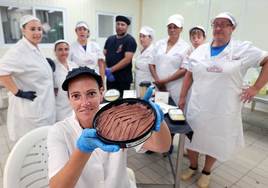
x,y
115,52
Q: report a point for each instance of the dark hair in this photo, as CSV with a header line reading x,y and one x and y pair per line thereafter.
x,y
123,19
51,63
197,31
86,75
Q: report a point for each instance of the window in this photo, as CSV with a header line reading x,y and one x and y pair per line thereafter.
x,y
10,18
106,25
52,21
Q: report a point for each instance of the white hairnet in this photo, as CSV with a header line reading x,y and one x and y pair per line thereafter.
x,y
176,19
198,27
27,18
228,16
146,30
60,41
82,24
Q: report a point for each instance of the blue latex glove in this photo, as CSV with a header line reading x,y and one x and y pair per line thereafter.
x,y
148,93
88,142
30,95
109,75
159,112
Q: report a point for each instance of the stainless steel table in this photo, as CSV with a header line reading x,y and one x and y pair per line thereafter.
x,y
259,98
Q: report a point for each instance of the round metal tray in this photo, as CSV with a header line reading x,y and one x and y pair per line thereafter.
x,y
126,143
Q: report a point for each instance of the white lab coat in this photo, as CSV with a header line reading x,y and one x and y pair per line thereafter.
x,y
87,58
142,62
63,107
187,67
214,109
30,72
102,169
168,63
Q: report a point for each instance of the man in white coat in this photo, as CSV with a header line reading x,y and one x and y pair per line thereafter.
x,y
25,72
216,72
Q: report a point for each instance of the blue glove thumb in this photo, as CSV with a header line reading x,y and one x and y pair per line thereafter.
x,y
159,112
159,116
88,142
107,71
148,93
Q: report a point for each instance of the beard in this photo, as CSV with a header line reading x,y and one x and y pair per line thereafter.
x,y
121,34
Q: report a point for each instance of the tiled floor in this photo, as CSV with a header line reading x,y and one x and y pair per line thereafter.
x,y
248,169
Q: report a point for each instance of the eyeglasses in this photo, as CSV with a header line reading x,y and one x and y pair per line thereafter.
x,y
222,26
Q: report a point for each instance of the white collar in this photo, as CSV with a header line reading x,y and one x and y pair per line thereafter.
x,y
75,124
30,45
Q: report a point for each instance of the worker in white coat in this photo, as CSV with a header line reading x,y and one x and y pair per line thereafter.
x,y
25,72
144,57
85,52
214,110
197,36
63,66
168,66
77,158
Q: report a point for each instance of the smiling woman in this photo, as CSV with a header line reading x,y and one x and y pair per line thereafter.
x,y
85,101
32,31
77,155
63,65
25,72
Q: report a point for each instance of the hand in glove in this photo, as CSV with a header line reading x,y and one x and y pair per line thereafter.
x,y
159,112
88,142
30,95
109,74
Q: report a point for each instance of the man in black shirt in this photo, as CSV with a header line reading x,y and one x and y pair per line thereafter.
x,y
119,50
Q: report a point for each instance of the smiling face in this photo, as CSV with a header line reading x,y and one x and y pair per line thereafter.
x,y
85,97
121,28
33,32
62,51
222,31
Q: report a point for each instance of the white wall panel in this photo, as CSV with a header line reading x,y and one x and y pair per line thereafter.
x,y
255,23
156,12
251,16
